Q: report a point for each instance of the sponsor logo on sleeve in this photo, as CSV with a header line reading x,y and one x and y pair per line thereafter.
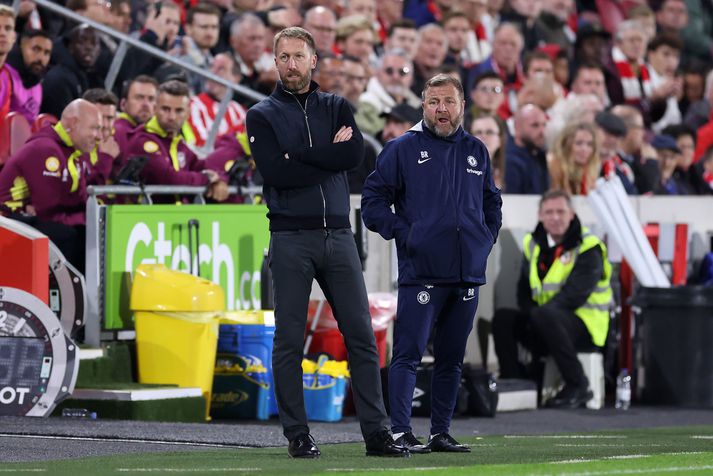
x,y
150,146
51,167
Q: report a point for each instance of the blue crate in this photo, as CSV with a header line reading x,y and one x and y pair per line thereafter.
x,y
325,401
253,340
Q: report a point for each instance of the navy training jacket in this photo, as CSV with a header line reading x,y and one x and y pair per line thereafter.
x,y
447,208
309,189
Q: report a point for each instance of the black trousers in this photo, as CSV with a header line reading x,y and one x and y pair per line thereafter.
x,y
545,330
330,257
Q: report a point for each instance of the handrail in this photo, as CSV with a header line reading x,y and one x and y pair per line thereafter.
x,y
122,49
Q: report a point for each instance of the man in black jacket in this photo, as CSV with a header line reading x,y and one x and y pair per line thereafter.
x,y
303,142
564,295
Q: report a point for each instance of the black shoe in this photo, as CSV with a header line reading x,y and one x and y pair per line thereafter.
x,y
411,442
445,443
571,397
382,443
303,446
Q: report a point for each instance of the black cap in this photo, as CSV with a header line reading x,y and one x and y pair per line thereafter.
x,y
664,142
611,123
403,113
590,29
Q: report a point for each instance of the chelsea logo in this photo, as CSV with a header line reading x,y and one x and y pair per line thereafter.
x,y
423,297
472,161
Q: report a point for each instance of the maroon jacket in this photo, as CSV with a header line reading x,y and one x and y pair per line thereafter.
x,y
162,169
227,150
49,174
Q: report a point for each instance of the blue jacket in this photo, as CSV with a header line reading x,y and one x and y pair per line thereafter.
x,y
447,208
525,173
304,172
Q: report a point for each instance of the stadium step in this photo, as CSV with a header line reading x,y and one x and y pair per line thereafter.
x,y
516,394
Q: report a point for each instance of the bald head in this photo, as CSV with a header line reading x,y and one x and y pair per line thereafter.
x,y
82,121
530,123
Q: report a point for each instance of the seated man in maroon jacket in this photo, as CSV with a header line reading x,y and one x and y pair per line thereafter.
x,y
138,104
171,161
44,183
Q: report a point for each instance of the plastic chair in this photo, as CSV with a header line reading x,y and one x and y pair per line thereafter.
x,y
14,132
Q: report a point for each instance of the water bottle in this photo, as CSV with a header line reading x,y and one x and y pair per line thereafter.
x,y
623,390
78,413
267,298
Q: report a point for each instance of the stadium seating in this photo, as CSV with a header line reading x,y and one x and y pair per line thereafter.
x,y
14,131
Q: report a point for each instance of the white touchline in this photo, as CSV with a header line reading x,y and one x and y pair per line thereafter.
x,y
25,470
184,470
381,470
123,440
566,437
672,469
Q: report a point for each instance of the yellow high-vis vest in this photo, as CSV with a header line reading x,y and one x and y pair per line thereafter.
x,y
595,311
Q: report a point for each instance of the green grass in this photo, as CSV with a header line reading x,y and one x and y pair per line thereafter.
x,y
654,451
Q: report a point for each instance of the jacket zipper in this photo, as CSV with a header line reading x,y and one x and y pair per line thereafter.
x,y
309,134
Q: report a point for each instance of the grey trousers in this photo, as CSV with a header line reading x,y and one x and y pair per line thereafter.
x,y
329,256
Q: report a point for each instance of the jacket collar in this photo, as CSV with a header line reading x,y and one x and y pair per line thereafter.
x,y
572,237
421,127
284,95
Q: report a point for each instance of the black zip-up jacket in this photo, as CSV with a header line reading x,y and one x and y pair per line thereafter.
x,y
305,176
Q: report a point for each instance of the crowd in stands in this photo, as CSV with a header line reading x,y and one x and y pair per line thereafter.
x,y
562,92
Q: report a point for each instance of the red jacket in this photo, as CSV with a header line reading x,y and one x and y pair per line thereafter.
x,y
49,174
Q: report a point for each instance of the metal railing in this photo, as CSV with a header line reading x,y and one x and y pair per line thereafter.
x,y
125,41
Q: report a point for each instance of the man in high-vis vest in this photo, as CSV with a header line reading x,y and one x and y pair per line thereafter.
x,y
564,296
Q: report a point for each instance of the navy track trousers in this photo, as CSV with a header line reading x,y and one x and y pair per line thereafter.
x,y
448,312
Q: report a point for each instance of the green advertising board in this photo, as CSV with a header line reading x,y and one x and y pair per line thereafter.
x,y
232,240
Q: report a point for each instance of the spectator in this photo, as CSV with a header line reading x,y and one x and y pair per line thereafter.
x,y
704,137
686,172
44,183
645,17
365,8
7,39
329,75
356,37
402,35
101,160
389,87
706,167
491,130
487,95
388,12
456,26
633,85
574,160
574,108
204,106
672,17
526,171
610,133
663,54
354,80
171,161
478,47
202,32
322,23
635,151
695,102
430,54
524,14
505,61
563,296
589,78
27,64
248,36
667,154
121,15
552,24
68,80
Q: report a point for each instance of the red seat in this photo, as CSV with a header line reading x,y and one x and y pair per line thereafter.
x,y
42,120
14,132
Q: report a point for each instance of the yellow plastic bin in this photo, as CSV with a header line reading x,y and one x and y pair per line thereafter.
x,y
177,318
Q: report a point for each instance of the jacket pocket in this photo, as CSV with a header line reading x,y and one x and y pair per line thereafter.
x,y
476,243
432,250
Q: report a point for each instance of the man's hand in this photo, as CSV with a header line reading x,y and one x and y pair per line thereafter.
x,y
343,134
157,24
218,191
109,146
212,176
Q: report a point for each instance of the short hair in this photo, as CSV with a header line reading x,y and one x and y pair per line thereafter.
x,y
76,5
442,79
554,194
639,11
486,75
297,33
580,67
627,25
100,96
403,23
665,39
531,56
347,26
142,78
451,15
679,130
201,8
246,18
7,11
174,87
34,33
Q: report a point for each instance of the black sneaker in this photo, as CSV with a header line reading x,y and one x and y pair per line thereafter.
x,y
382,443
571,397
303,446
411,442
445,443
